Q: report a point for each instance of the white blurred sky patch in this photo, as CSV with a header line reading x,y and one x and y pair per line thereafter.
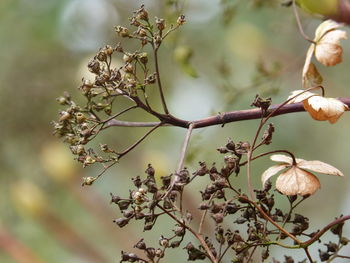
x,y
192,99
86,24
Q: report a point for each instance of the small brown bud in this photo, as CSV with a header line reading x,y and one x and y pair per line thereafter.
x,y
160,22
141,245
94,66
122,31
64,116
121,221
142,13
129,68
143,57
219,218
164,242
102,56
181,20
141,32
108,50
114,198
88,180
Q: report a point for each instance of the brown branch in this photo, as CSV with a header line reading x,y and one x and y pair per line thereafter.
x,y
220,119
324,230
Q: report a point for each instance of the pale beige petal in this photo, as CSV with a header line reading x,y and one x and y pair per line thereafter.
x,y
271,172
320,167
314,105
322,109
329,54
296,181
307,63
299,96
328,50
312,78
335,110
325,27
281,158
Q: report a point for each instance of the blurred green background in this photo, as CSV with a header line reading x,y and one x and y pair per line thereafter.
x,y
239,49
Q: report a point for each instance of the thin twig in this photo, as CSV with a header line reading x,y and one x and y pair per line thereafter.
x,y
184,148
119,113
138,141
204,215
250,186
267,153
199,237
300,27
308,255
162,97
271,220
251,254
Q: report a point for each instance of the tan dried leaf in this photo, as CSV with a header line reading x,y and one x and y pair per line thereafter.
x,y
271,172
325,109
328,50
313,77
299,96
296,181
320,167
307,63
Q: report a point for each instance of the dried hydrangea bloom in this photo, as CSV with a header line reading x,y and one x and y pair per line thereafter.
x,y
327,49
296,180
320,108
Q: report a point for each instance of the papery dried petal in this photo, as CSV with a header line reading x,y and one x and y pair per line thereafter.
x,y
296,181
300,95
320,167
281,158
271,172
328,50
322,109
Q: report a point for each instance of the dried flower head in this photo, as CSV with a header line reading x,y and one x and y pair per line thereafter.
x,y
327,37
320,108
326,48
296,180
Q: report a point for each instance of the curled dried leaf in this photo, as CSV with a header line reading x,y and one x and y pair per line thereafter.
x,y
325,109
327,50
320,108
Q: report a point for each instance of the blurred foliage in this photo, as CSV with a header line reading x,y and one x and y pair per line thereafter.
x,y
235,49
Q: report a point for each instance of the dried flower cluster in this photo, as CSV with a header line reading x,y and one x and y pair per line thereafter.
x,y
239,221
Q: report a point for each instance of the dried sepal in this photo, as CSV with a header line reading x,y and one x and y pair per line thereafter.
x,y
299,96
319,167
328,50
320,108
271,172
325,109
296,180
